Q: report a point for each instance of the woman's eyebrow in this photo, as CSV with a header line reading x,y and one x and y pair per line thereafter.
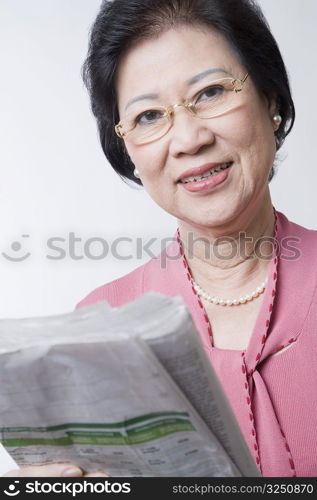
x,y
141,98
191,81
207,72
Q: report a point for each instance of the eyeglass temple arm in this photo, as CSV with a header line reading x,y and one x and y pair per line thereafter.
x,y
238,84
118,131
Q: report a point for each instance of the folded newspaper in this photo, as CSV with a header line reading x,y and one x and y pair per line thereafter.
x,y
127,390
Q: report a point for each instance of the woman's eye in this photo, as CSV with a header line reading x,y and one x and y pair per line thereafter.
x,y
148,117
211,92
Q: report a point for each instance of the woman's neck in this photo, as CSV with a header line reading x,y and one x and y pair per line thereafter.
x,y
233,257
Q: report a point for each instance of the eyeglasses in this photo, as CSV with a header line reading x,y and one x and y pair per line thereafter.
x,y
215,99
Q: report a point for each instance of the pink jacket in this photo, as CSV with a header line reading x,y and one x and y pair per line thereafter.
x,y
274,397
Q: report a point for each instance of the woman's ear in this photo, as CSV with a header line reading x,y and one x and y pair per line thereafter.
x,y
274,111
272,104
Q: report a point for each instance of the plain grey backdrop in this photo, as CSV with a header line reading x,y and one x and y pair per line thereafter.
x,y
55,181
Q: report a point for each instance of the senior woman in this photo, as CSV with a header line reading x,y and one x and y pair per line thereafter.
x,y
193,101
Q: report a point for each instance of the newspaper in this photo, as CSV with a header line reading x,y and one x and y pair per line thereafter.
x,y
127,390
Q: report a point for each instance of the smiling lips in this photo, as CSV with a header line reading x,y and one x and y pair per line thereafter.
x,y
205,177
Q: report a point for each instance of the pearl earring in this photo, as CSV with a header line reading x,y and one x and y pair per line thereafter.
x,y
277,119
136,173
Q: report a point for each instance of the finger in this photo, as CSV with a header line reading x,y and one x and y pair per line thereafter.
x,y
51,470
97,474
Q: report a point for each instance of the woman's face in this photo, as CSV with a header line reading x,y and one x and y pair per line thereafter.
x,y
244,136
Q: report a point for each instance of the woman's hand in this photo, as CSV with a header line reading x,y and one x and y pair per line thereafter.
x,y
52,470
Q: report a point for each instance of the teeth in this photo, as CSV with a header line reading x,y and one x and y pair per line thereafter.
x,y
207,174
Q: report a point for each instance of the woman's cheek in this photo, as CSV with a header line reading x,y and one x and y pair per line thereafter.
x,y
152,161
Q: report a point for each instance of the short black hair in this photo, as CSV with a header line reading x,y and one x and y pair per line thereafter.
x,y
121,23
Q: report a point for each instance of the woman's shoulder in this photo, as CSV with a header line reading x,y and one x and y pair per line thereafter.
x,y
154,275
306,237
292,226
117,292
298,252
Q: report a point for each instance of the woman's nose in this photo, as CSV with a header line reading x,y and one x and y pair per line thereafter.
x,y
189,133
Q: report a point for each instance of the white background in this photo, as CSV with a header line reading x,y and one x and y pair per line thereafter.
x,y
54,178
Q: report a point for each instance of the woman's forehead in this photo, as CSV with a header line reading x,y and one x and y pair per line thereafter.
x,y
176,57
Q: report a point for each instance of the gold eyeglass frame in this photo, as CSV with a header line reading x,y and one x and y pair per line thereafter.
x,y
237,86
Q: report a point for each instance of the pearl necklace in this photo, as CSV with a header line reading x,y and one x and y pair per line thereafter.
x,y
227,302
230,302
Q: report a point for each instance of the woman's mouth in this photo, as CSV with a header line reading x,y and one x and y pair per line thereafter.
x,y
208,180
207,174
